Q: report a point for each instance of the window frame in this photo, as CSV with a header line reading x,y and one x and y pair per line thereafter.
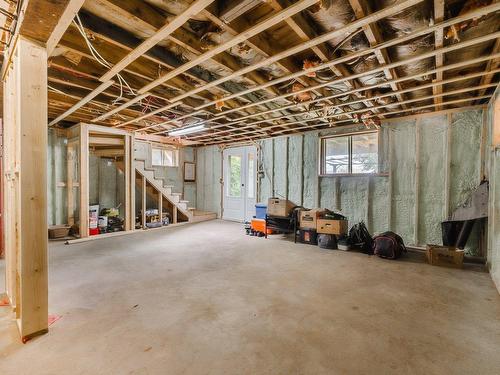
x,y
163,149
322,156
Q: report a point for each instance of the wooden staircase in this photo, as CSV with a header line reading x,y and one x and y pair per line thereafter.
x,y
157,188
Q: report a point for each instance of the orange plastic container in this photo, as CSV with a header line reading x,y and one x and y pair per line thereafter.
x,y
259,225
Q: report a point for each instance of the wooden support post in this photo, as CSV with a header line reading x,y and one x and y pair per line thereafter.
x,y
174,214
70,180
128,172
160,205
25,105
131,184
144,196
84,181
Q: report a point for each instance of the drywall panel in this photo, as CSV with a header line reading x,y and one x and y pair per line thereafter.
x,y
403,178
432,158
280,166
295,169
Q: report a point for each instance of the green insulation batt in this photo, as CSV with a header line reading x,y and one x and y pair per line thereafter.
x,y
57,171
492,155
290,166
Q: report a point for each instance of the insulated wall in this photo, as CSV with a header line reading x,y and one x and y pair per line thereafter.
x,y
429,164
493,171
208,178
173,176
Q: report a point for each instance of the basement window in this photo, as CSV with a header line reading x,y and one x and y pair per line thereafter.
x,y
349,155
161,157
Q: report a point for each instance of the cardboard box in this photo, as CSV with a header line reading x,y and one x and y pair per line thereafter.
x,y
446,256
308,219
279,207
59,231
328,226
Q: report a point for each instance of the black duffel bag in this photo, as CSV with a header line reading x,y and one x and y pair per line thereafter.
x,y
388,245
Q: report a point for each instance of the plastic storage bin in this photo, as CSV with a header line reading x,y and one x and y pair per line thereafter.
x,y
260,210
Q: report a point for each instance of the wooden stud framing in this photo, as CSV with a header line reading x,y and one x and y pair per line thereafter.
x,y
297,7
84,181
161,34
144,197
439,38
25,98
71,10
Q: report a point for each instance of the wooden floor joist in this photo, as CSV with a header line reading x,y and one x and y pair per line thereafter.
x,y
382,46
234,66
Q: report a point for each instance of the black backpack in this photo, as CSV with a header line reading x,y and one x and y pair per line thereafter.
x,y
359,236
388,245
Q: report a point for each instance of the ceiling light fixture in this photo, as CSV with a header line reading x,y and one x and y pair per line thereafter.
x,y
187,130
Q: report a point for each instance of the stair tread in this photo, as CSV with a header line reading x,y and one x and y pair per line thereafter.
x,y
176,194
183,201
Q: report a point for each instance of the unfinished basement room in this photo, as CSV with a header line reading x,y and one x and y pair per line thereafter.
x,y
250,187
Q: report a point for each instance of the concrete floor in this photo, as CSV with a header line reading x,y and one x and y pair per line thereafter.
x,y
206,299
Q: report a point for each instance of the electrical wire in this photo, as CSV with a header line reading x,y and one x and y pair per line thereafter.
x,y
101,60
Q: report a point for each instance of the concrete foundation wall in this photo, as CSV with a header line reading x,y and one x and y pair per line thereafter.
x,y
419,153
173,176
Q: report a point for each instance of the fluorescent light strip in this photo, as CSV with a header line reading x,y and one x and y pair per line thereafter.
x,y
188,130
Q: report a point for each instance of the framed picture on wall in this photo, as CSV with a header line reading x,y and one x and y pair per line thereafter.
x,y
189,171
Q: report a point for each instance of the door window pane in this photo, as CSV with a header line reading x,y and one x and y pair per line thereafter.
x,y
336,155
234,176
365,153
251,176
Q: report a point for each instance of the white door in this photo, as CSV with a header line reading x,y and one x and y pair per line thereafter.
x,y
240,183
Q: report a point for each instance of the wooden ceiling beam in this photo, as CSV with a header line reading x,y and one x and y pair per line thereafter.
x,y
258,28
491,65
67,17
438,42
234,9
425,55
149,19
157,37
416,88
305,32
82,102
209,137
303,46
372,33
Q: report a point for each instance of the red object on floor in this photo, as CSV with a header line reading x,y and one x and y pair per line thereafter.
x,y
4,301
93,231
54,318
